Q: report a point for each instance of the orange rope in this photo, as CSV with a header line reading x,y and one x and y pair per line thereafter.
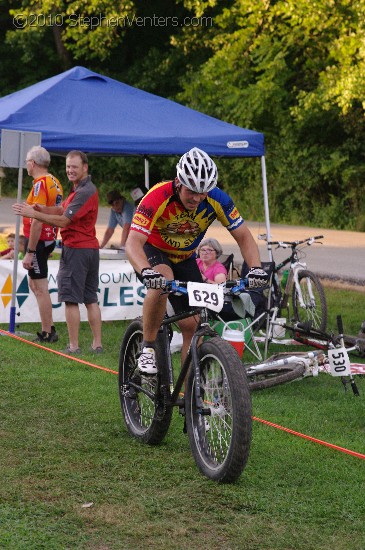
x,y
298,434
331,445
56,352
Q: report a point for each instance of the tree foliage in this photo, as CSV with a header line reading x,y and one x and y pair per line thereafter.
x,y
292,69
295,71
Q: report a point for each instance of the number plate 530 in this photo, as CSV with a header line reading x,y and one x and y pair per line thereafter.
x,y
206,295
339,362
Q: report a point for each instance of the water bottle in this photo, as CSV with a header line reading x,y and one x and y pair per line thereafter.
x,y
284,278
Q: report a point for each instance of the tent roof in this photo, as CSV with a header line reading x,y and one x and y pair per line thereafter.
x,y
80,109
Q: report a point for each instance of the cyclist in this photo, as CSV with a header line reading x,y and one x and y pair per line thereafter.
x,y
168,226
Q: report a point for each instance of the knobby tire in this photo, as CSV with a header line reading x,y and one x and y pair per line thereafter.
x,y
220,440
270,374
147,417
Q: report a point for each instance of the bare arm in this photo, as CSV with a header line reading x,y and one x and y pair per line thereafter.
x,y
35,231
8,256
108,233
135,252
248,247
125,231
56,217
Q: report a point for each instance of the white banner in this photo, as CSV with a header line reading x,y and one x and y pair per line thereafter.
x,y
121,295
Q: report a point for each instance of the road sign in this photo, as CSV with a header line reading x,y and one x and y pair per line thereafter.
x,y
14,147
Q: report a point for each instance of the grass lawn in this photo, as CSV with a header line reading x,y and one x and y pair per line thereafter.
x,y
71,477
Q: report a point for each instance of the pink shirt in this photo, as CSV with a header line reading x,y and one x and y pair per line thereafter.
x,y
213,270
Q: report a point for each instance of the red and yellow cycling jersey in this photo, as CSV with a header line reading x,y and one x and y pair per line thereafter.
x,y
47,191
176,231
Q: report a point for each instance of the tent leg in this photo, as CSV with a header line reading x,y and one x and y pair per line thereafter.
x,y
146,173
266,205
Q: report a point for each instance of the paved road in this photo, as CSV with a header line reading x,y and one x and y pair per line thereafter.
x,y
340,257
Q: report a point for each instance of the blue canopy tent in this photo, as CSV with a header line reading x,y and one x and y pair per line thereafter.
x,y
81,109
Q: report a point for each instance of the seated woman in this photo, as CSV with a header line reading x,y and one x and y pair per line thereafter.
x,y
212,271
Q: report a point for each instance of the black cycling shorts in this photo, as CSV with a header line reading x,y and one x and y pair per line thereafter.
x,y
186,270
40,259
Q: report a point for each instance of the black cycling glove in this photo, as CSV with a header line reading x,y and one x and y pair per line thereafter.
x,y
257,278
152,279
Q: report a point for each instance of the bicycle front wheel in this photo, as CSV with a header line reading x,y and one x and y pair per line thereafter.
x,y
278,369
142,397
314,307
220,433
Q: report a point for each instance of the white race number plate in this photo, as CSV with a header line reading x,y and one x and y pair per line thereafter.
x,y
339,362
206,295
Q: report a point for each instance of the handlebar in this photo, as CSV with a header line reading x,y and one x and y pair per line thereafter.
x,y
230,288
292,244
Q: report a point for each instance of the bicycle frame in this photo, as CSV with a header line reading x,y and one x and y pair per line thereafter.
x,y
203,329
217,405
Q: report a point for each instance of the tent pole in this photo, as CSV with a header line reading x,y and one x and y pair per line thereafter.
x,y
146,173
266,205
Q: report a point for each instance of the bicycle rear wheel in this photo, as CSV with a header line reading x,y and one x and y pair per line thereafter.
x,y
142,397
220,439
269,373
315,305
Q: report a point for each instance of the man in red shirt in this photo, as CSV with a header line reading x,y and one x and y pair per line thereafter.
x,y
41,237
78,276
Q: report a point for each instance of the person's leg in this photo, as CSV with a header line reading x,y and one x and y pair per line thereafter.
x,y
187,327
154,306
94,318
73,324
91,296
187,270
38,283
71,279
40,289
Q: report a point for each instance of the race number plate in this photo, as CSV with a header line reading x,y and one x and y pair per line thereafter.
x,y
206,295
339,362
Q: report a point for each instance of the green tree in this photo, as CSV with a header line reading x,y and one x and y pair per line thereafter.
x,y
282,68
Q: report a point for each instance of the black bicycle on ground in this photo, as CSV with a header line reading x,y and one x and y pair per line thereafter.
x,y
217,400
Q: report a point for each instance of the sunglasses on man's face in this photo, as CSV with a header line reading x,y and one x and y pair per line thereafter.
x,y
113,202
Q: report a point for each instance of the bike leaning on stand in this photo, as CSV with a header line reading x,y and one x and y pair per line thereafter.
x,y
217,400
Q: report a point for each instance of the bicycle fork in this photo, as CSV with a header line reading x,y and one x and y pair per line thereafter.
x,y
294,277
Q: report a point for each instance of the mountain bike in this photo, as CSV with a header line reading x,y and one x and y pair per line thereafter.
x,y
332,356
217,400
300,284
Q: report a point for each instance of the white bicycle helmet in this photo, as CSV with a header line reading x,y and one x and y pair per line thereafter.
x,y
197,171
